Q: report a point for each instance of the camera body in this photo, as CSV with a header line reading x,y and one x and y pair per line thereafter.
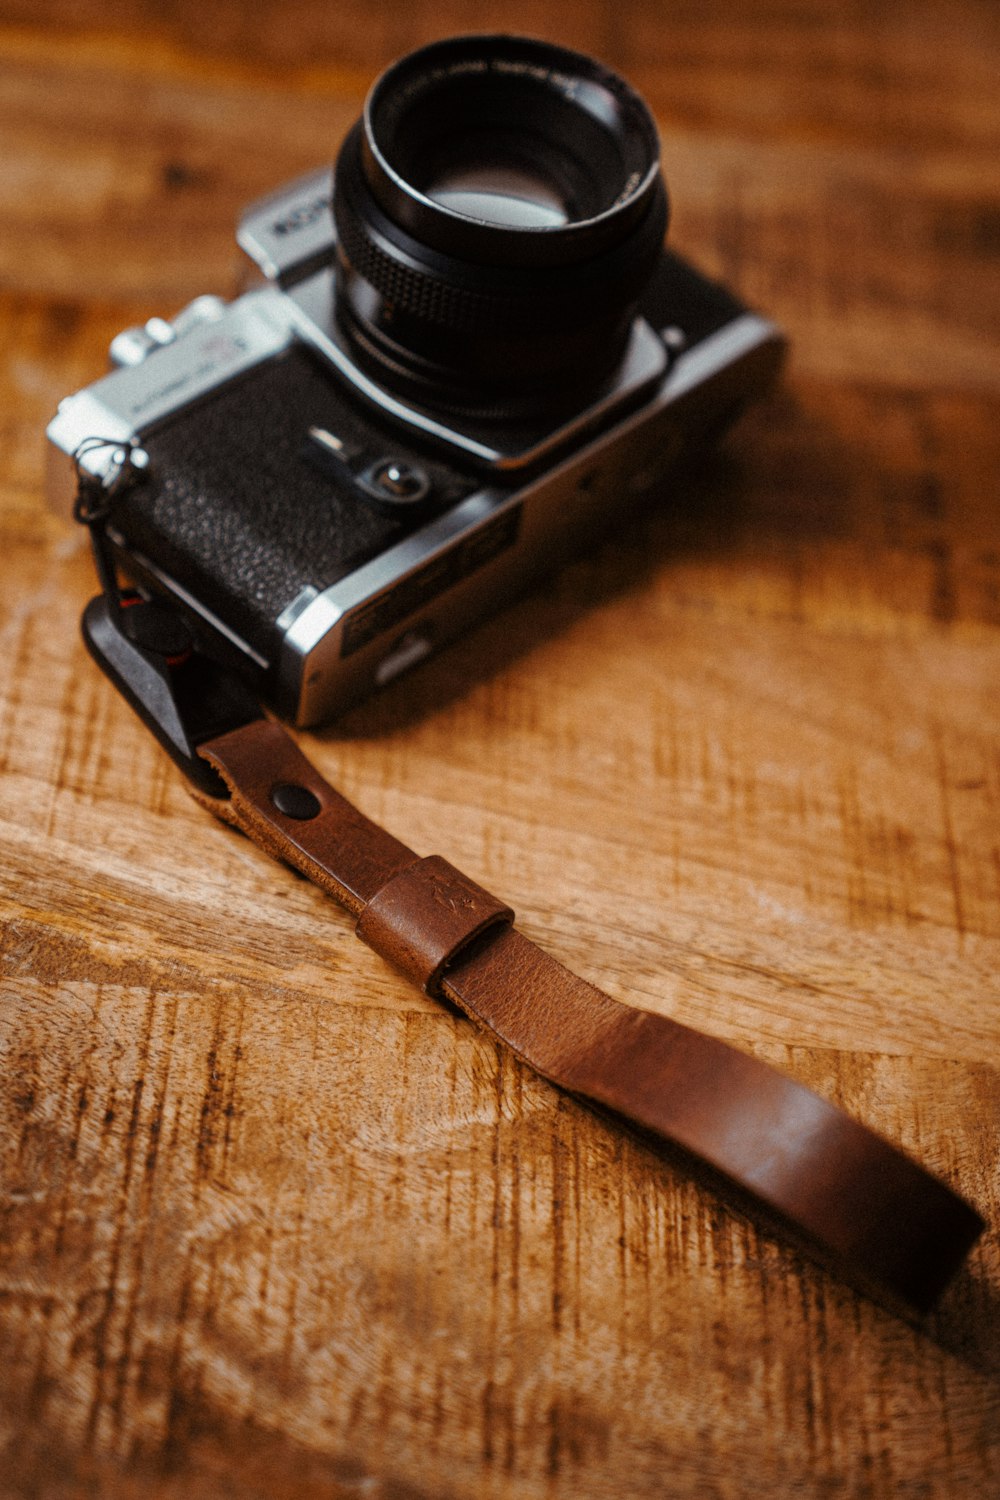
x,y
324,533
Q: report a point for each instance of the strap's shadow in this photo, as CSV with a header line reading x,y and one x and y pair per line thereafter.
x,y
966,1323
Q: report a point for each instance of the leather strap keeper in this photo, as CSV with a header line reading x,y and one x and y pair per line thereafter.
x,y
423,917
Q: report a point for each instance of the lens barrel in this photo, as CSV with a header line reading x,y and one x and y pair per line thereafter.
x,y
499,209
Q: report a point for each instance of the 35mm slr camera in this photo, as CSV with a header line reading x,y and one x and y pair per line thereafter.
x,y
468,354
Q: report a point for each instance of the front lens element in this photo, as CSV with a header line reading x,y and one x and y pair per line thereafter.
x,y
495,190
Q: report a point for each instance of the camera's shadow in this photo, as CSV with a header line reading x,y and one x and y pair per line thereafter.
x,y
781,481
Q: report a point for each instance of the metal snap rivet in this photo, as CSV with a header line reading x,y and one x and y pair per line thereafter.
x,y
295,801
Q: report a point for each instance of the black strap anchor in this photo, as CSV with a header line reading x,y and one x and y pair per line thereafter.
x,y
144,645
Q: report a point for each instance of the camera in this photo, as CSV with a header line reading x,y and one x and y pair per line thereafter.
x,y
464,354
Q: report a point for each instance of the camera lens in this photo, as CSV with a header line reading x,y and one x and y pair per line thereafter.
x,y
499,208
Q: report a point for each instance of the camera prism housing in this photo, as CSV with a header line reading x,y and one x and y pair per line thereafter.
x,y
324,526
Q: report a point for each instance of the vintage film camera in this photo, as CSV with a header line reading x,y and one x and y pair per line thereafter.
x,y
467,355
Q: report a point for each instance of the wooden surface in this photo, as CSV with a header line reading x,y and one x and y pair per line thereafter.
x,y
275,1226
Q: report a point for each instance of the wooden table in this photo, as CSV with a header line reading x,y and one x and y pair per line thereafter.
x,y
273,1224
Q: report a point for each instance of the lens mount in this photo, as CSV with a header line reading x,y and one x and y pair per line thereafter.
x,y
499,208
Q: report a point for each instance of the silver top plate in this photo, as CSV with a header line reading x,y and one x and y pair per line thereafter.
x,y
290,228
130,402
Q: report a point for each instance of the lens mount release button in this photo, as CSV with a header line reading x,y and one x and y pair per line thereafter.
x,y
401,481
396,484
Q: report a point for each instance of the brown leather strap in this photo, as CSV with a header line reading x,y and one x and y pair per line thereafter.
x,y
851,1197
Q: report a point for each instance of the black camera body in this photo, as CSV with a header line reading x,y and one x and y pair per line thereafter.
x,y
326,476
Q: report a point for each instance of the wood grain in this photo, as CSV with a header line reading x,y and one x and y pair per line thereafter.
x,y
272,1223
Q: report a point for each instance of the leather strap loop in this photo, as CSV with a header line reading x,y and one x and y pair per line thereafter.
x,y
424,916
851,1197
345,853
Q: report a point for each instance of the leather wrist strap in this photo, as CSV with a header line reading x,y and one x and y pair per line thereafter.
x,y
854,1200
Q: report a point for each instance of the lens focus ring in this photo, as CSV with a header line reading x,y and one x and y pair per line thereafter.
x,y
416,290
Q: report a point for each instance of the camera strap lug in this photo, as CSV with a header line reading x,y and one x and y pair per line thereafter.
x,y
112,465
